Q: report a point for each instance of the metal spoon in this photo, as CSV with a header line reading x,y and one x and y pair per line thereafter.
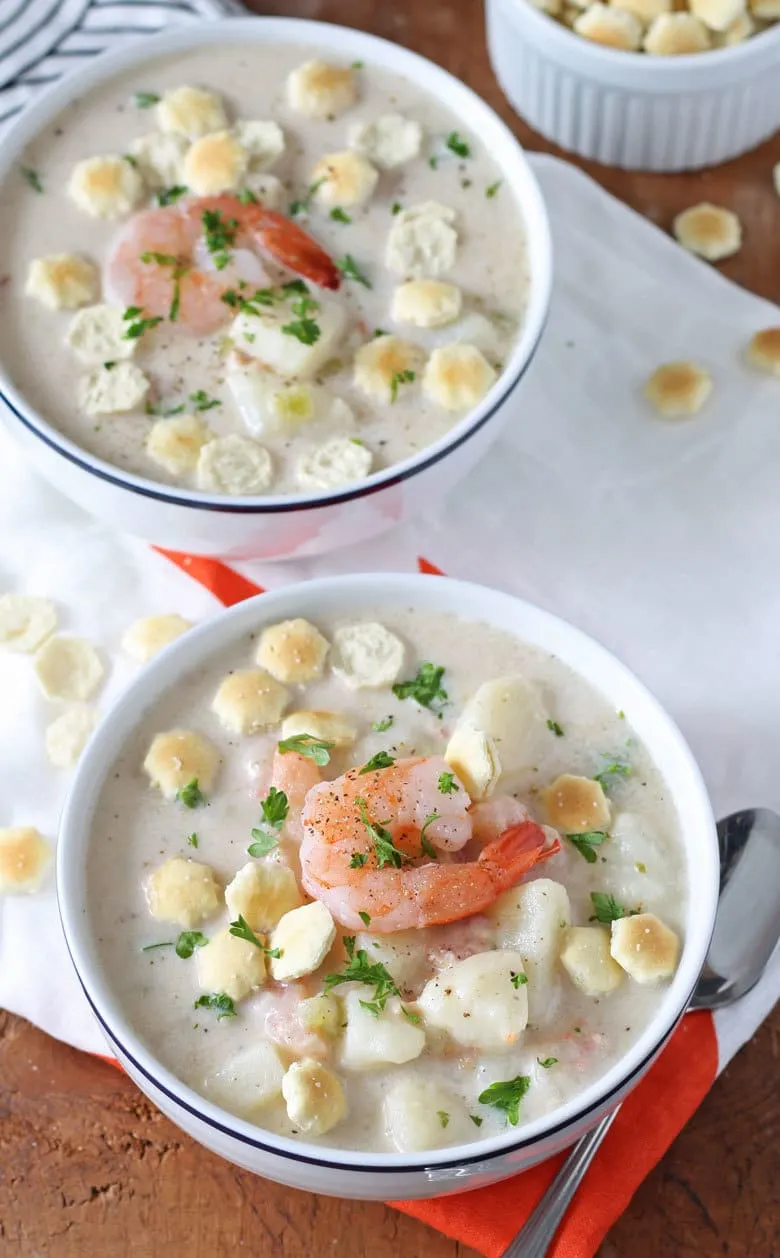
x,y
747,931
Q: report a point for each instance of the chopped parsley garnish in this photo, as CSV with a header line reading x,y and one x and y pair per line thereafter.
x,y
386,851
191,795
168,196
202,402
145,100
303,204
433,162
613,769
396,208
247,197
263,843
188,941
587,843
492,189
457,145
304,330
383,725
426,688
365,917
220,1002
220,236
413,1017
443,1117
192,840
382,760
399,377
350,269
138,323
476,1120
157,408
274,808
517,980
316,749
555,728
131,161
640,867
621,715
360,970
357,65
295,286
607,908
447,783
151,947
32,177
173,310
425,842
178,270
358,860
506,1096
110,365
242,930
340,216
379,332
547,1062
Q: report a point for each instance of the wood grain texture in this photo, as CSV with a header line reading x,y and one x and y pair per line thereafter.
x,y
88,1169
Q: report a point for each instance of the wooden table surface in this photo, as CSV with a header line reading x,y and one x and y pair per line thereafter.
x,y
88,1169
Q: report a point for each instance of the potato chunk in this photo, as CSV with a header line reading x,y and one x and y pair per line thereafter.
x,y
230,965
182,891
293,651
481,1002
511,713
372,1041
304,937
314,1097
250,1081
474,757
420,1114
645,948
575,805
585,958
261,893
531,919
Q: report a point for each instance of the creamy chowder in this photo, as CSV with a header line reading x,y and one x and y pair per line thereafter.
x,y
386,883
249,271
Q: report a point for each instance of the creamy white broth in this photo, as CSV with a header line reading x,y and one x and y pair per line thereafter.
x,y
490,266
135,830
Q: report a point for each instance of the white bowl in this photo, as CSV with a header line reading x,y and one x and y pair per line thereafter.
x,y
300,524
630,109
385,1175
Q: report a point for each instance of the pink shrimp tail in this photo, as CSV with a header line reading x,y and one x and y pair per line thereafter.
x,y
295,249
516,851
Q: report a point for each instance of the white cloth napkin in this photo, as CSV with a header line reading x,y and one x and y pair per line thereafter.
x,y
656,537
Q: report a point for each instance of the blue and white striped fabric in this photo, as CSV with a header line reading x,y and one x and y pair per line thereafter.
x,y
41,40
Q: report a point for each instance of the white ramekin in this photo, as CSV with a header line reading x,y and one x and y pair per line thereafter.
x,y
630,109
384,1175
301,524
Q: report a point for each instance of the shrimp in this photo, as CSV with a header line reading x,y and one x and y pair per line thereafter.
x,y
295,775
341,849
183,266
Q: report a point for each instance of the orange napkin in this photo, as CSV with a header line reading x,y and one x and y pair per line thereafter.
x,y
488,1218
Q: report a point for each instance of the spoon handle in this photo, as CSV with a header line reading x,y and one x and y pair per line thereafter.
x,y
537,1234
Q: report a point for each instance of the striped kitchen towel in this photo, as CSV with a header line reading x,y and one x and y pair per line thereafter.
x,y
41,40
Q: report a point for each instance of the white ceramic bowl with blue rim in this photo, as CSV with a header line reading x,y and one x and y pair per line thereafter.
x,y
296,525
386,1175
